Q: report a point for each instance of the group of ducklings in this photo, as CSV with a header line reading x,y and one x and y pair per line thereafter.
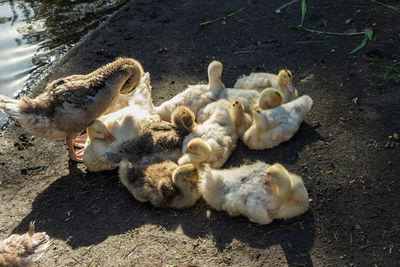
x,y
170,155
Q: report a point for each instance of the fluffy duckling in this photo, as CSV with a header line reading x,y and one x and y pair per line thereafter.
x,y
283,81
273,126
68,105
270,98
218,133
195,96
259,191
242,120
163,184
162,140
23,250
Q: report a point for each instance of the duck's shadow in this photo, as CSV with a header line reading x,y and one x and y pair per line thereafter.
x,y
85,208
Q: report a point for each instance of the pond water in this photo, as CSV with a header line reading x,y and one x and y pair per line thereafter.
x,y
34,34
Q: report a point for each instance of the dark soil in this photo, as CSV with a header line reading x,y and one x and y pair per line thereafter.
x,y
340,149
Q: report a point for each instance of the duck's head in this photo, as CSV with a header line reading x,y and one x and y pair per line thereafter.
x,y
237,105
98,130
270,98
198,148
260,118
275,174
285,79
187,172
183,118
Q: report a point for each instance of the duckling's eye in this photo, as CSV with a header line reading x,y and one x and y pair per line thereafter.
x,y
258,111
237,102
277,93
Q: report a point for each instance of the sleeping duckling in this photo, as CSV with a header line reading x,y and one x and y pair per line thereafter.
x,y
242,120
274,126
161,141
195,96
259,191
68,105
23,250
218,133
283,82
163,184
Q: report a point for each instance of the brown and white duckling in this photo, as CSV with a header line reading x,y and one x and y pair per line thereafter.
x,y
195,96
23,250
161,141
273,126
261,80
163,184
68,105
259,191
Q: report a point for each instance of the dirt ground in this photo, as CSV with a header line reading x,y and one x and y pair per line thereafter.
x,y
342,150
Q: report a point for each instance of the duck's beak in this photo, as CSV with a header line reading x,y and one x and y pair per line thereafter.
x,y
290,87
108,137
266,181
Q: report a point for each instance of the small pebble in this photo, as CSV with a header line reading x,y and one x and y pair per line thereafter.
x,y
396,137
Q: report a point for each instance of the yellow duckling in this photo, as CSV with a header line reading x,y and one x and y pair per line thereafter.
x,y
241,119
283,82
259,191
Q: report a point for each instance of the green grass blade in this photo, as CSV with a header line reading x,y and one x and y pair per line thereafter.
x,y
385,5
296,27
223,17
303,11
278,10
368,36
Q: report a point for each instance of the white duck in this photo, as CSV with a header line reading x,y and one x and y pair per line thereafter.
x,y
22,250
68,105
123,125
195,96
259,191
217,134
258,81
273,126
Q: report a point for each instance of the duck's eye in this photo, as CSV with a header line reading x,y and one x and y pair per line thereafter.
x,y
277,93
258,111
237,102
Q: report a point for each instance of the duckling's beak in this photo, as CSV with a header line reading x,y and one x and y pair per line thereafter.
x,y
108,137
290,87
266,181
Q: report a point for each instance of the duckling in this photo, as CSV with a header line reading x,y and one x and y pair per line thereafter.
x,y
218,133
163,184
259,191
161,141
270,98
68,105
273,126
23,250
283,82
195,96
242,120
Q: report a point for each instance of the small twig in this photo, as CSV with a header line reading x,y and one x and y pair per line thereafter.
x,y
130,251
351,239
335,235
223,17
321,32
